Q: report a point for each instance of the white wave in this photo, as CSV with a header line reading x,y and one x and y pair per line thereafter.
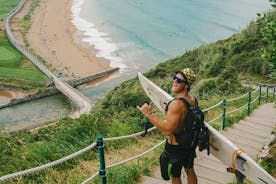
x,y
100,41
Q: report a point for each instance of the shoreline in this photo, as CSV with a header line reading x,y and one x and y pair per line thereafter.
x,y
56,39
71,38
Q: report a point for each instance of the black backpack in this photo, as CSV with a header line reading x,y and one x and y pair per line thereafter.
x,y
194,132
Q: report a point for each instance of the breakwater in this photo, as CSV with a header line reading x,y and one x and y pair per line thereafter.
x,y
52,90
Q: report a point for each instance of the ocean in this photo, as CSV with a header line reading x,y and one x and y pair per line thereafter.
x,y
136,35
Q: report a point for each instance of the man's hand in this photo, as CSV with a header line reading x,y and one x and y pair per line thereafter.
x,y
146,109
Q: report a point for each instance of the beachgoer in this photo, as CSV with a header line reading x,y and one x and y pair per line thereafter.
x,y
175,156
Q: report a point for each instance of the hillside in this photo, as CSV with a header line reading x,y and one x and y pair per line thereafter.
x,y
219,66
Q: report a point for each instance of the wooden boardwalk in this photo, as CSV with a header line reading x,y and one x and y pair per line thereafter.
x,y
250,134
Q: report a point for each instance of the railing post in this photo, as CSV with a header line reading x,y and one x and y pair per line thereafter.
x,y
260,94
266,98
223,113
100,147
273,93
249,102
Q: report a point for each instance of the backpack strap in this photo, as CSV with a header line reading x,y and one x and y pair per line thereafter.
x,y
183,100
187,103
167,105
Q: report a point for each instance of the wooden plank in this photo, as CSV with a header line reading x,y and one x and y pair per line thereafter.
x,y
265,127
244,135
260,121
219,177
244,128
249,142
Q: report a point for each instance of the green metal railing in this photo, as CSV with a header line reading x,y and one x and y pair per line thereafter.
x,y
252,97
228,108
223,115
100,146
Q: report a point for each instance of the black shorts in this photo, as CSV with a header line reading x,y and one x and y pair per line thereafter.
x,y
172,161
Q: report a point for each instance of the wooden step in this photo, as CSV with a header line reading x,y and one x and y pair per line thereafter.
x,y
244,128
250,134
265,127
203,171
261,121
230,132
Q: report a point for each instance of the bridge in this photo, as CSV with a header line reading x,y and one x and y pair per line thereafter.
x,y
74,95
250,134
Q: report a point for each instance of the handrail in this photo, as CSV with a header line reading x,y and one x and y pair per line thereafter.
x,y
45,166
255,91
234,99
214,106
50,75
82,102
254,100
128,136
59,161
238,109
51,164
124,161
216,118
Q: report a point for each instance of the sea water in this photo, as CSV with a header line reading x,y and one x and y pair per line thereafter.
x,y
135,35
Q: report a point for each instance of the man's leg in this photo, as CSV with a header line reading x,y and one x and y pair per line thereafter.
x,y
176,180
191,176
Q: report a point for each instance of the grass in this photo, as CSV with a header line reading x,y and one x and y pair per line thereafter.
x,y
15,69
6,6
8,57
116,114
21,73
51,143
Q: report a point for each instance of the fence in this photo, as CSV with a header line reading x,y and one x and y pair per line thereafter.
x,y
240,104
102,172
256,95
23,50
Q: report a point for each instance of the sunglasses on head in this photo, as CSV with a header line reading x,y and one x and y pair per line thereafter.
x,y
178,80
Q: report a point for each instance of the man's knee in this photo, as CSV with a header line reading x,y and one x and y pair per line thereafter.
x,y
190,171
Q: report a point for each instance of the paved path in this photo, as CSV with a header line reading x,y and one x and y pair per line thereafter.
x,y
75,96
250,134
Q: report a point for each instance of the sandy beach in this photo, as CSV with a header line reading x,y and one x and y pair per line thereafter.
x,y
54,37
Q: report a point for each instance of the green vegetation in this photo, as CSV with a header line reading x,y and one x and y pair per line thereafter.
x,y
268,31
6,6
220,67
15,69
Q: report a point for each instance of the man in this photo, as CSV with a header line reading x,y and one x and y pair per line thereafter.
x,y
175,156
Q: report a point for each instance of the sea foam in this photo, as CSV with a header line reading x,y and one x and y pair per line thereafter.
x,y
100,41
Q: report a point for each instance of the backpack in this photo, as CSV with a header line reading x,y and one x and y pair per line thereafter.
x,y
194,132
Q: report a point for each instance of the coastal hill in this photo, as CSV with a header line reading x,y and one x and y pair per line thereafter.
x,y
220,68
